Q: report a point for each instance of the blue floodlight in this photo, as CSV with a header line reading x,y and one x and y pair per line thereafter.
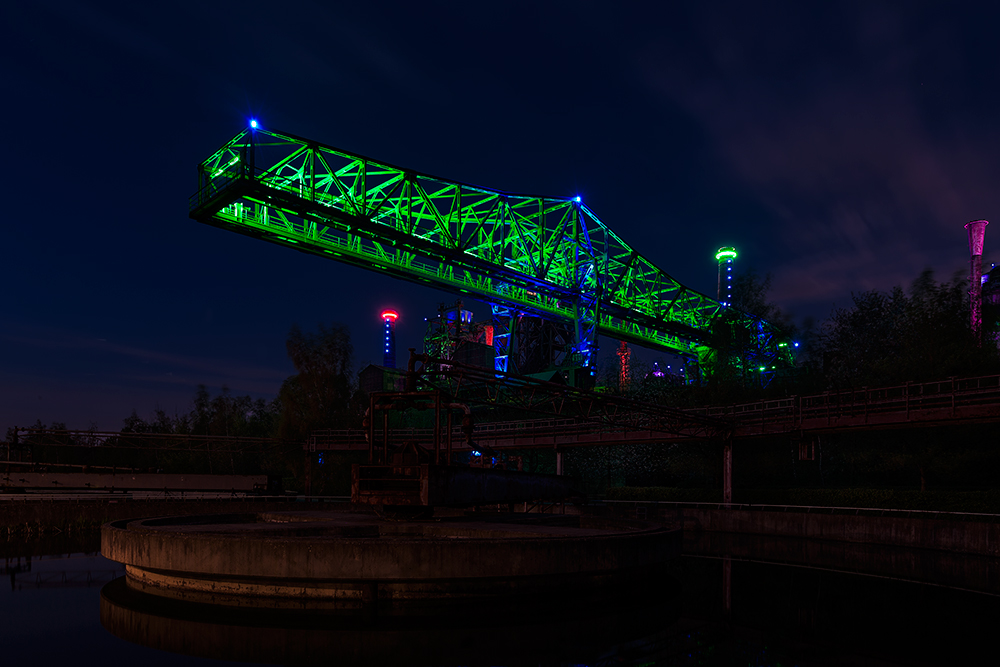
x,y
576,199
253,123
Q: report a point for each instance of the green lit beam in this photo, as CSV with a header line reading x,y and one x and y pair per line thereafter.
x,y
542,255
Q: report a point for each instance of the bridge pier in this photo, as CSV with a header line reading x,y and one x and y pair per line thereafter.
x,y
308,473
727,589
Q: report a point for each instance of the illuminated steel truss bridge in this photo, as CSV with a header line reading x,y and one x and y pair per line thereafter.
x,y
527,256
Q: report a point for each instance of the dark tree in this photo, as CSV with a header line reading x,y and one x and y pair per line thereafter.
x,y
751,294
223,414
320,395
890,337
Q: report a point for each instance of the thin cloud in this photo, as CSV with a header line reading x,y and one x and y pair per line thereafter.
x,y
868,188
199,369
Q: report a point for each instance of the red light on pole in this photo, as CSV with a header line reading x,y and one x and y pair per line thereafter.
x,y
389,338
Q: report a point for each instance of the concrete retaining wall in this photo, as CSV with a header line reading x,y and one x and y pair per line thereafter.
x,y
971,537
43,516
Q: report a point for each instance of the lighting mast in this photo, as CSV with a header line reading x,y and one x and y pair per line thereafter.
x,y
725,256
389,344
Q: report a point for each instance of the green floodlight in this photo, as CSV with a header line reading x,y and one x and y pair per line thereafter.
x,y
726,253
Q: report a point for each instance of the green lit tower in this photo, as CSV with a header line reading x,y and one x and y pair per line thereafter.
x,y
725,256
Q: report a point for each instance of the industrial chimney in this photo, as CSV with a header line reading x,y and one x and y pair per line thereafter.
x,y
977,230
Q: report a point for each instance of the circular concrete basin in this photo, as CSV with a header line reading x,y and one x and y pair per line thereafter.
x,y
346,560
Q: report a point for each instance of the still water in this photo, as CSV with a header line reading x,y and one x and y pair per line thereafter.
x,y
710,610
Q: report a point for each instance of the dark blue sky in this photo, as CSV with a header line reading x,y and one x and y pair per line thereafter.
x,y
839,146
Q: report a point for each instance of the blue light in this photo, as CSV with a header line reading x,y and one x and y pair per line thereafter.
x,y
576,199
253,123
795,344
475,453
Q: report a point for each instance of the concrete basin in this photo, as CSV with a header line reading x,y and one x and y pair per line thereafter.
x,y
340,560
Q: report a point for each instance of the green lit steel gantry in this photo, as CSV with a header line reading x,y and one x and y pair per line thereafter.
x,y
542,256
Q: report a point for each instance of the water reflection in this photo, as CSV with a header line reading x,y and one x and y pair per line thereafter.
x,y
45,565
74,570
628,630
783,613
941,568
789,602
714,609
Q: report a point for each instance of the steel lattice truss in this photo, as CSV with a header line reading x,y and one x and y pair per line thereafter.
x,y
544,256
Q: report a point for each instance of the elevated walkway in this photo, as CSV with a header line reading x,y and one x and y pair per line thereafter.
x,y
965,400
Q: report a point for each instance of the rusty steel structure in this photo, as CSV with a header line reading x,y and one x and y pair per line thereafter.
x,y
935,403
404,479
508,393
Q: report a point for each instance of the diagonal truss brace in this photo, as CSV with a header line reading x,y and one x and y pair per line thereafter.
x,y
544,256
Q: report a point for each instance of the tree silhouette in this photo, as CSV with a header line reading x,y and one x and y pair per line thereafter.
x,y
321,394
891,337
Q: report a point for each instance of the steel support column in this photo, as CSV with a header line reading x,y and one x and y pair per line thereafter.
x,y
308,475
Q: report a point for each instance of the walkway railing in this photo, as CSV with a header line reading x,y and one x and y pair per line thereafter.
x,y
926,402
160,496
954,398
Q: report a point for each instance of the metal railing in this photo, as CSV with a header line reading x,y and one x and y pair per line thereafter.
x,y
906,400
485,429
155,496
947,399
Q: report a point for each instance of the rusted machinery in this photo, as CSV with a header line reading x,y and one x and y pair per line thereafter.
x,y
402,484
406,477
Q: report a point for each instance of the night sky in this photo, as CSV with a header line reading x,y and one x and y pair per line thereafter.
x,y
840,147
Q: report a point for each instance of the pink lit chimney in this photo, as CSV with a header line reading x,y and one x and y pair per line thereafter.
x,y
977,230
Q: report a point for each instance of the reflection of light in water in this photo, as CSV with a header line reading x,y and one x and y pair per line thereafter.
x,y
71,570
